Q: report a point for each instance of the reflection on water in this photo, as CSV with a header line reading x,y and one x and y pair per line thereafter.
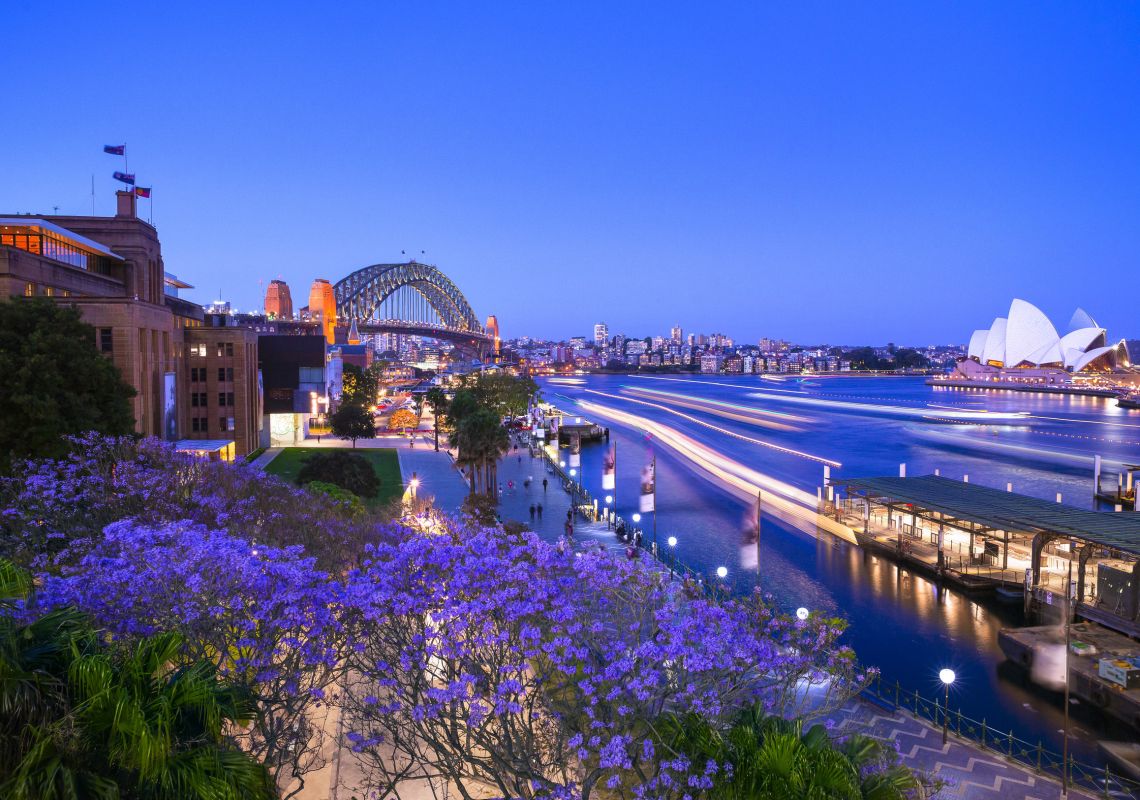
x,y
714,443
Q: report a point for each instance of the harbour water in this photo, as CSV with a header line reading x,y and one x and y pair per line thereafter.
x,y
701,429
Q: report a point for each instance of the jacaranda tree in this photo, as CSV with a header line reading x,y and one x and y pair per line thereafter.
x,y
500,663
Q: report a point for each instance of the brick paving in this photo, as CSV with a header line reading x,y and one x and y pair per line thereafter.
x,y
969,771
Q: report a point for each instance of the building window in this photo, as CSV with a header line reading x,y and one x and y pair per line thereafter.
x,y
198,350
29,290
225,373
225,349
311,374
198,399
49,291
106,340
198,424
225,398
197,374
225,423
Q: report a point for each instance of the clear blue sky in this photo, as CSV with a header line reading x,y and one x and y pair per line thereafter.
x,y
880,172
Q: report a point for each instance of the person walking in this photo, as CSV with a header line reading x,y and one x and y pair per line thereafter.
x,y
539,509
544,484
532,511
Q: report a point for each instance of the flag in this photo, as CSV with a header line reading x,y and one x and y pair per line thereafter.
x,y
646,502
142,191
608,464
575,459
125,177
115,149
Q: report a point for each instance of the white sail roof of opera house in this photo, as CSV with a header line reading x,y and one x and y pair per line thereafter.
x,y
1026,338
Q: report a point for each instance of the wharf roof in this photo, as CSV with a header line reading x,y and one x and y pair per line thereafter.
x,y
993,508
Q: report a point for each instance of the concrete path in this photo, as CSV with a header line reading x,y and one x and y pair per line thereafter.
x,y
262,460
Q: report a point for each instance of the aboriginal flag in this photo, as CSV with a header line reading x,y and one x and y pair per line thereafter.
x,y
142,191
115,149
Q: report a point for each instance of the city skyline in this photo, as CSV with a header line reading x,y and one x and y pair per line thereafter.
x,y
844,177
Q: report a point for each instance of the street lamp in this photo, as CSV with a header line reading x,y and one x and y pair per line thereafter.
x,y
672,542
722,572
609,517
802,613
947,677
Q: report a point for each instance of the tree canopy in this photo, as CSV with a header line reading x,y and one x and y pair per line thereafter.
x,y
56,382
353,421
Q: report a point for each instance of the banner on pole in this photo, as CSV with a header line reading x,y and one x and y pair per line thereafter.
x,y
648,490
608,464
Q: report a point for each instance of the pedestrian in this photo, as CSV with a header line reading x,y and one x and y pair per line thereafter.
x,y
569,527
544,484
511,485
520,457
532,510
539,507
500,490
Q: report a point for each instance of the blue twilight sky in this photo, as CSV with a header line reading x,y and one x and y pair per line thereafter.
x,y
820,172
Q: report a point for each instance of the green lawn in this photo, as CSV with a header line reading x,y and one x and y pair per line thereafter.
x,y
385,464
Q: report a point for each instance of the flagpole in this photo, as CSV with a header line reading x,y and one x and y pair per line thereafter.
x,y
92,194
759,506
615,484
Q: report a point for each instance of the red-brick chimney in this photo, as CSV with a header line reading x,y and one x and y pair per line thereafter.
x,y
126,204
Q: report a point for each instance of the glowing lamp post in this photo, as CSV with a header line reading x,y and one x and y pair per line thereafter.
x,y
609,516
947,677
802,614
722,572
672,542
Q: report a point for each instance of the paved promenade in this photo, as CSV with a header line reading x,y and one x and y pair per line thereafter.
x,y
969,772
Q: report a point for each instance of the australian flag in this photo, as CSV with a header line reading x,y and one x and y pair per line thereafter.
x,y
115,149
125,177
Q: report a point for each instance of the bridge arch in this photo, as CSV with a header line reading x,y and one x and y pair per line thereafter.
x,y
389,292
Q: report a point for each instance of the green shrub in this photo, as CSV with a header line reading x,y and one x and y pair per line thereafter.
x,y
350,502
347,470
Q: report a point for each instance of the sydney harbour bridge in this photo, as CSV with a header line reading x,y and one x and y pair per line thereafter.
x,y
415,299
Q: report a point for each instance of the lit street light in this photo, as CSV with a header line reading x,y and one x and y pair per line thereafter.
x,y
722,572
672,541
947,677
802,613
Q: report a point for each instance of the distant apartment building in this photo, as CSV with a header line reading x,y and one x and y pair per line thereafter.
x,y
601,335
711,362
675,334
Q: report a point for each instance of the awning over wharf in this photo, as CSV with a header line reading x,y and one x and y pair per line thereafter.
x,y
988,509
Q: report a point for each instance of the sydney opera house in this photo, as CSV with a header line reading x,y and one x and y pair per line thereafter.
x,y
1024,350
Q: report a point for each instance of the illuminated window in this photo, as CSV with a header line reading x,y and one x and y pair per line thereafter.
x,y
29,290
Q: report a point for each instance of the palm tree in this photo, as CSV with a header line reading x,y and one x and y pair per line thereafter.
x,y
87,719
482,441
775,759
438,402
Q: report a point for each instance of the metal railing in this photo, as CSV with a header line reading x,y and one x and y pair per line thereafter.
x,y
1101,780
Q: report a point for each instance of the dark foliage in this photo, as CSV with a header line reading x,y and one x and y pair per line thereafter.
x,y
347,470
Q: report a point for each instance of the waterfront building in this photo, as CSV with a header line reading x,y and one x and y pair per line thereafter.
x,y
711,362
1024,348
111,270
278,301
675,334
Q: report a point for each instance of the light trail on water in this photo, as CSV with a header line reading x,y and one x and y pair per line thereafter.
x,y
799,453
784,501
750,415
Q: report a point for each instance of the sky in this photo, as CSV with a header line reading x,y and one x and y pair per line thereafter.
x,y
821,172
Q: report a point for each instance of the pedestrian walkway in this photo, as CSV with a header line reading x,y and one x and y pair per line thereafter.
x,y
263,460
437,475
969,771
